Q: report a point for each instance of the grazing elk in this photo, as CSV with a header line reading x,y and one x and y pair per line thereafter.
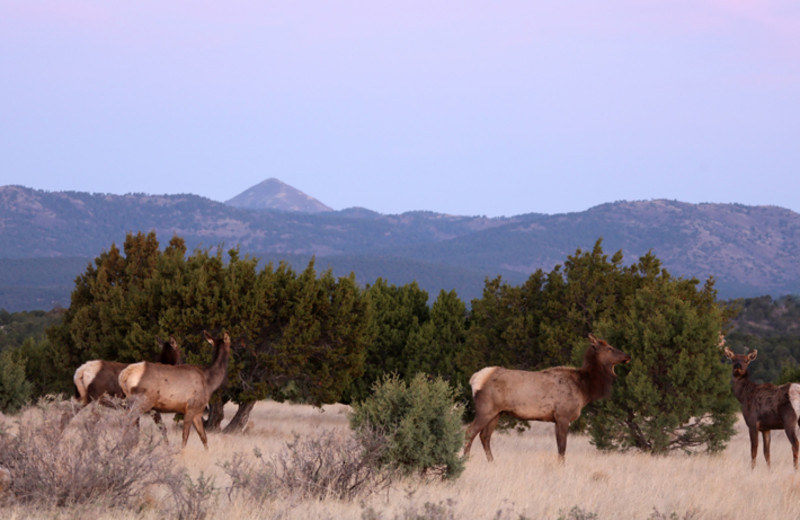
x,y
182,389
554,395
97,378
765,406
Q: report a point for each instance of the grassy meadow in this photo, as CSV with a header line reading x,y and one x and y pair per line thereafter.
x,y
525,481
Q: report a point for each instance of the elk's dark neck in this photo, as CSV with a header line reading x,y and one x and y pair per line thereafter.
x,y
595,378
742,387
216,372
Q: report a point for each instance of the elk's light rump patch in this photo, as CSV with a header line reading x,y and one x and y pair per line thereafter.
x,y
130,377
480,377
85,374
794,397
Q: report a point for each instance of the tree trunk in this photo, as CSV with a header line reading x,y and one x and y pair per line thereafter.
x,y
215,416
241,418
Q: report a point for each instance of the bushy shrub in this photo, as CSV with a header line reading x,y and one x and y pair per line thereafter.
x,y
63,456
420,421
322,467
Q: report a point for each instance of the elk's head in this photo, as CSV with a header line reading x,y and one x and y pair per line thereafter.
x,y
740,361
607,355
170,351
221,342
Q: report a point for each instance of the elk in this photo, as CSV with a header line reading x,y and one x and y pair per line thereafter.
x,y
765,407
556,394
182,389
97,378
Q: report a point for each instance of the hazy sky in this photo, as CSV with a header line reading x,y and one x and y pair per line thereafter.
x,y
469,108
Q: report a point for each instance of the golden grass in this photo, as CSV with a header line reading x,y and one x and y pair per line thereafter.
x,y
525,478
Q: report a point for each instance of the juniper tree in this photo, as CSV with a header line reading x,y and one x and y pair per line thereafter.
x,y
395,314
290,329
675,395
439,347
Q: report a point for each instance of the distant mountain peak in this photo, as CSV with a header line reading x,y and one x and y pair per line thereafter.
x,y
273,194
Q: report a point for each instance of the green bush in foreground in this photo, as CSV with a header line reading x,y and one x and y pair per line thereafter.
x,y
420,421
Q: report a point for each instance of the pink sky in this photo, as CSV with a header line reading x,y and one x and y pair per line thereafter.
x,y
457,107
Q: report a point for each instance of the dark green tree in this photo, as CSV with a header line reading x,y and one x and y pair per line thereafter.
x,y
395,314
505,322
676,393
294,333
47,367
15,390
545,321
111,314
438,347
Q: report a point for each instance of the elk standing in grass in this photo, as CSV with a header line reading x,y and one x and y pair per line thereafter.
x,y
554,395
97,378
182,389
765,406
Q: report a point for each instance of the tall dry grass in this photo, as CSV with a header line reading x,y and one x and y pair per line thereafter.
x,y
525,481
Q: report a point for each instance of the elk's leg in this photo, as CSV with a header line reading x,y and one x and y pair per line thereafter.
x,y
187,425
197,420
791,434
473,429
161,426
486,437
753,446
562,427
767,437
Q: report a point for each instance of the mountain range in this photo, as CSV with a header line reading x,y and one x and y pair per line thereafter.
x,y
48,238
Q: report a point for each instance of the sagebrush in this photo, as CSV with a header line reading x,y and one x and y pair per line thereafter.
x,y
322,467
62,456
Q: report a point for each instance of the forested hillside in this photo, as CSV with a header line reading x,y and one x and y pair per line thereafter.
x,y
47,238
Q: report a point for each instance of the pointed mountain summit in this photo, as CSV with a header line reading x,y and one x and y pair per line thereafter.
x,y
272,194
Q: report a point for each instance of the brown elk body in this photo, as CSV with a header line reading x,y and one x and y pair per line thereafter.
x,y
554,395
182,389
97,378
765,407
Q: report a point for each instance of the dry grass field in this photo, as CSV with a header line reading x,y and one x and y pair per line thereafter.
x,y
525,481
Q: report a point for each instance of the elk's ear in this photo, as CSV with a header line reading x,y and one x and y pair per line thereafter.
x,y
173,342
208,337
752,355
592,339
729,353
226,338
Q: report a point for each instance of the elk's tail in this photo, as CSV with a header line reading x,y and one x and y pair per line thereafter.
x,y
479,379
83,377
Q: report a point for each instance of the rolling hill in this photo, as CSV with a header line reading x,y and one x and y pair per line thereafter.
x,y
47,239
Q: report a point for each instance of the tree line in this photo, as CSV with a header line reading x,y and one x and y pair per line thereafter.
x,y
308,336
